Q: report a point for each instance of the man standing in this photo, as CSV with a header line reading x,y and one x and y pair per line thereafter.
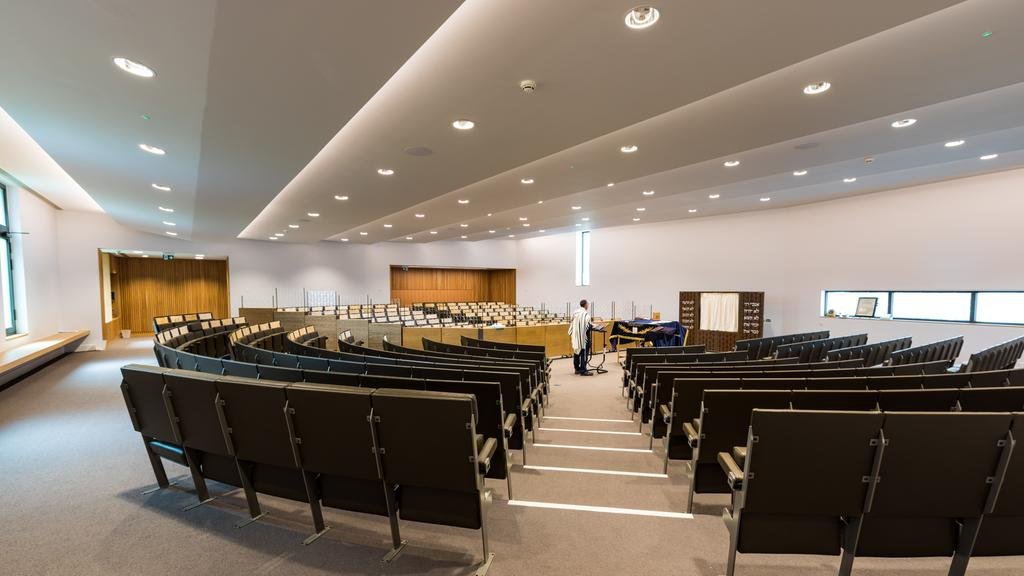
x,y
579,333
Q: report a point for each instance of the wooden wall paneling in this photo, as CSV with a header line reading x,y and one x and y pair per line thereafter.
x,y
257,315
326,326
499,334
412,336
150,287
454,335
751,321
532,335
451,285
501,286
556,340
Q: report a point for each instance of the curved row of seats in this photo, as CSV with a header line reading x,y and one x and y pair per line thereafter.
x,y
815,350
948,349
872,354
161,323
477,343
355,449
998,357
758,348
884,484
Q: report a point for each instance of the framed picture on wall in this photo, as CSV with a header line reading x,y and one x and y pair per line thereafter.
x,y
866,306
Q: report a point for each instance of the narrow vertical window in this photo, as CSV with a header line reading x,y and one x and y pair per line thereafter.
x,y
583,258
7,268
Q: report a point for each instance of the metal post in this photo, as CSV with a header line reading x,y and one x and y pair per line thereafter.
x,y
319,527
397,544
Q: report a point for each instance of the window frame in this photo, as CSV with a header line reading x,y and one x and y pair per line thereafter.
x,y
5,233
583,251
891,293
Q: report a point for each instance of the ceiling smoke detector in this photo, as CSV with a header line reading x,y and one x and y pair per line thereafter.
x,y
528,86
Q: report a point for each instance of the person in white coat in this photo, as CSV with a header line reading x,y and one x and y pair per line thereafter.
x,y
579,332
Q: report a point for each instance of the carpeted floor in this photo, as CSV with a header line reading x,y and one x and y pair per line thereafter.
x,y
72,469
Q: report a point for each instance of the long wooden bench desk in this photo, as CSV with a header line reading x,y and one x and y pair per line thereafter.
x,y
20,360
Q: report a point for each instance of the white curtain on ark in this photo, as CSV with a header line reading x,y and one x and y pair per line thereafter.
x,y
720,311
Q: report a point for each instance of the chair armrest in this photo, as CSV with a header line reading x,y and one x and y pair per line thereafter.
x,y
484,456
509,425
526,407
666,414
692,438
733,473
739,454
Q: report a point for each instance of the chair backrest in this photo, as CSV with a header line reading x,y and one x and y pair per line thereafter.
x,y
142,387
931,400
848,400
192,397
254,410
725,418
992,399
332,423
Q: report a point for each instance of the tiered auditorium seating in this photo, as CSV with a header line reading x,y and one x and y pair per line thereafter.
x,y
815,350
943,350
477,343
864,484
999,357
873,354
322,452
161,323
437,314
763,347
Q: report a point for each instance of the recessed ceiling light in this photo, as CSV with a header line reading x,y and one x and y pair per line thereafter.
x,y
293,226
463,236
344,239
272,238
511,235
642,17
364,233
540,201
577,207
523,218
408,237
527,225
161,187
134,68
526,180
849,180
490,231
641,209
433,231
418,215
463,124
463,201
463,225
800,173
585,219
629,149
152,149
988,157
489,214
692,210
636,219
904,123
731,163
169,233
610,184
340,197
165,209
387,225
542,230
145,255
385,171
648,192
278,234
714,196
313,214
954,143
166,223
578,224
136,251
200,257
817,87
765,199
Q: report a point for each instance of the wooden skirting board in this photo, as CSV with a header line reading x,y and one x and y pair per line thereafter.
x,y
20,360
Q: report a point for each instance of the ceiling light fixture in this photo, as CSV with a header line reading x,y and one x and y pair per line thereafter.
x,y
165,209
169,233
200,256
641,209
463,124
489,214
313,214
800,173
145,255
463,201
511,235
387,225
433,231
463,236
610,184
418,215
526,180
904,123
576,207
152,149
731,163
527,225
636,219
648,192
692,210
817,88
339,197
523,218
542,230
585,219
849,180
161,187
578,224
463,225
364,233
954,143
714,196
293,226
988,157
765,199
134,68
344,239
385,171
278,234
642,17
629,149
408,237
540,201
166,223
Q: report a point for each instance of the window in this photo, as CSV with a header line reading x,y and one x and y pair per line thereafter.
x,y
995,307
583,258
7,268
845,303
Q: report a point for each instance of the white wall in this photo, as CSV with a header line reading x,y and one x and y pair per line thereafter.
x,y
960,234
36,276
256,267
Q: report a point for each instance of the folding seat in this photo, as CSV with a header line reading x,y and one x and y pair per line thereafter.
x,y
209,365
843,383
391,382
250,415
724,423
279,374
336,378
311,363
992,399
833,373
950,380
988,379
895,382
911,518
388,370
847,400
1013,377
771,383
242,369
285,360
931,400
445,483
783,504
1003,524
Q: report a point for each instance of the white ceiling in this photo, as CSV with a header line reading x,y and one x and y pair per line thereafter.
x,y
268,109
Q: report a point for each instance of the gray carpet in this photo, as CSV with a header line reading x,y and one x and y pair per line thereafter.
x,y
72,469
